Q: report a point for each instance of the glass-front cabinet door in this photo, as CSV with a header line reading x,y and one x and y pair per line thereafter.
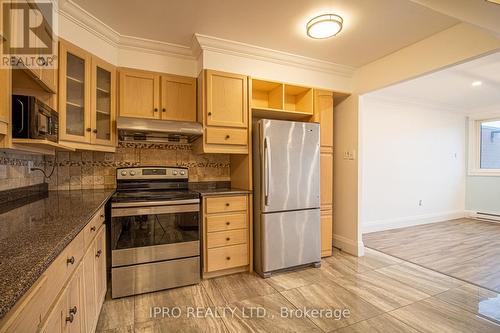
x,y
103,103
74,94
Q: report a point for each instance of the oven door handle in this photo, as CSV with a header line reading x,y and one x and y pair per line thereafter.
x,y
134,211
22,116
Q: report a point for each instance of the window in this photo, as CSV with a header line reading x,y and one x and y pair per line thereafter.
x,y
484,146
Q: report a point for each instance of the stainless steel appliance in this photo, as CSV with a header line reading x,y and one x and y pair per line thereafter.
x,y
33,119
286,195
155,231
156,130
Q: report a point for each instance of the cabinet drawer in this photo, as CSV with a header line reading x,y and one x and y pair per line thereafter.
x,y
91,229
226,222
226,136
227,257
225,204
225,238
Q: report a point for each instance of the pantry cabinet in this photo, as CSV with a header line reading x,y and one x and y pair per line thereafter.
x,y
86,100
323,113
150,95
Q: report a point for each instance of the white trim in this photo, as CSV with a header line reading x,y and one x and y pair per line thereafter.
x,y
474,159
79,16
392,99
230,47
381,225
349,246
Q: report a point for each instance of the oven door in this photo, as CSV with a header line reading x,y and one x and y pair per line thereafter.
x,y
142,234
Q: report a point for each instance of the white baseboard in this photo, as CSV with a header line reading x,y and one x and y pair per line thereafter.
x,y
381,225
349,246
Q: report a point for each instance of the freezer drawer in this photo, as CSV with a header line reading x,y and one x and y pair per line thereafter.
x,y
144,278
290,239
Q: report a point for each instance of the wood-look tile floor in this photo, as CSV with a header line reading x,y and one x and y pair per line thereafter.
x,y
464,248
380,292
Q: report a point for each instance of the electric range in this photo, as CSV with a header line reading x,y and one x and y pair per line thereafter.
x,y
155,231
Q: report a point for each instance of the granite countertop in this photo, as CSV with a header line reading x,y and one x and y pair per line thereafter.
x,y
33,235
222,191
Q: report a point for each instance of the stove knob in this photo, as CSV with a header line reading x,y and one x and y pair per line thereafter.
x,y
183,173
124,173
174,172
132,173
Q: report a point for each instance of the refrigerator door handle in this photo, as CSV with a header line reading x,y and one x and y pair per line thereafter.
x,y
267,167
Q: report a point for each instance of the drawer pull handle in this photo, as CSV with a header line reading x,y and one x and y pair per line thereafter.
x,y
73,310
228,258
227,136
228,223
227,204
70,260
228,239
98,254
70,318
92,229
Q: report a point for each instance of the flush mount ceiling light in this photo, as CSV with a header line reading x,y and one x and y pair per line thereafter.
x,y
324,26
494,1
476,83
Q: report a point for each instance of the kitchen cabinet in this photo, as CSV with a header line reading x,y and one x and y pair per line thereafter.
x,y
223,110
86,100
226,235
152,95
323,113
69,295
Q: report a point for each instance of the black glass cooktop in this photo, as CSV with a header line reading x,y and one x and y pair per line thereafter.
x,y
154,195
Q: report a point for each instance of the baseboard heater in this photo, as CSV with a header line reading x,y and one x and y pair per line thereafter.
x,y
487,217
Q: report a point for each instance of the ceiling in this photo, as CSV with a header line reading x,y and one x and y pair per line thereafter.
x,y
372,29
452,88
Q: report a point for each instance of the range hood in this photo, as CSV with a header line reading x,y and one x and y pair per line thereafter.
x,y
155,130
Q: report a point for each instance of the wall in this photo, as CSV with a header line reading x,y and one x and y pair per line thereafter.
x,y
94,170
14,170
410,152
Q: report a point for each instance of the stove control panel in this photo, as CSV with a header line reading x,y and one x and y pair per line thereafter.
x,y
151,173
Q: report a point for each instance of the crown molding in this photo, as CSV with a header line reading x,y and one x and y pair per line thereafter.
x,y
224,46
82,18
98,28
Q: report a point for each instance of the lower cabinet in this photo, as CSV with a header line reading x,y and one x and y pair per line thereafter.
x,y
326,233
226,234
67,298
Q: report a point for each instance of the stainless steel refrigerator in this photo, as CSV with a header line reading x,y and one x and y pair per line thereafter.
x,y
286,195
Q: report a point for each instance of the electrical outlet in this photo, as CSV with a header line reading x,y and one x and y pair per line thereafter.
x,y
30,166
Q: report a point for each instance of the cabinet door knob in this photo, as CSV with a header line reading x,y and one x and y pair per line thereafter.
x,y
95,130
228,223
156,109
227,136
228,258
210,113
228,239
88,129
70,260
73,310
70,318
92,229
227,204
102,215
164,110
98,254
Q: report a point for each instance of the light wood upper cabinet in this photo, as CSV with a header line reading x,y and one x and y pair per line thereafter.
x,y
103,103
226,99
178,98
139,94
87,93
74,94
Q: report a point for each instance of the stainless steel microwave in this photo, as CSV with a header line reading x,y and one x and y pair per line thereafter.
x,y
33,119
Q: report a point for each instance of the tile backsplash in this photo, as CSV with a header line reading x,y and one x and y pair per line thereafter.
x,y
14,170
87,169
